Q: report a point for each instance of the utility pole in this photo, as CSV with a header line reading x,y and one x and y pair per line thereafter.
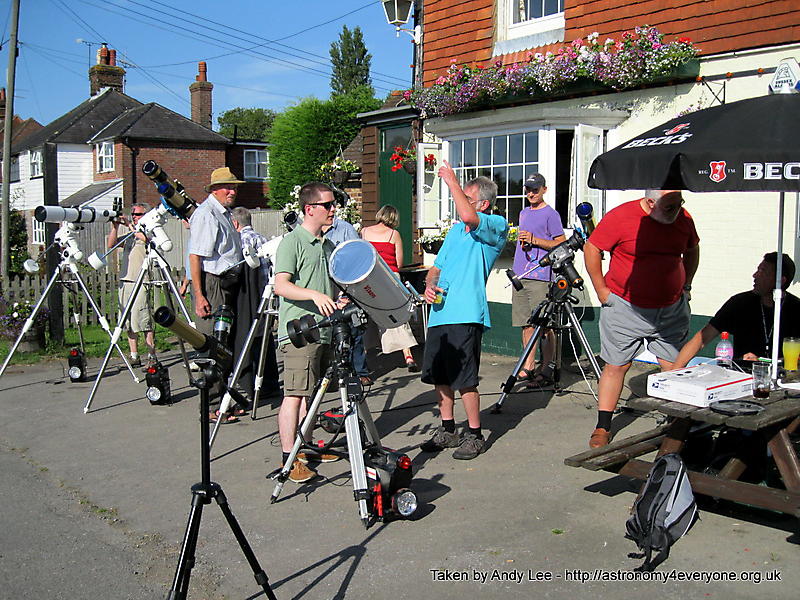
x,y
7,126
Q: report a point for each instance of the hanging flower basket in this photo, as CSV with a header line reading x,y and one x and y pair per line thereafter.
x,y
433,246
340,177
410,165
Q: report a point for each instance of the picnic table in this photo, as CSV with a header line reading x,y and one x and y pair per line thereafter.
x,y
779,420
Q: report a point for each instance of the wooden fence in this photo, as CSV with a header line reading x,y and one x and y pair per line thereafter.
x,y
103,284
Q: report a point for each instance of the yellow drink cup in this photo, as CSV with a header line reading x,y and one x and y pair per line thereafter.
x,y
791,350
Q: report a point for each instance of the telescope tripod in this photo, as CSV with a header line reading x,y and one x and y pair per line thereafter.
x,y
356,413
550,315
202,494
266,314
66,268
153,255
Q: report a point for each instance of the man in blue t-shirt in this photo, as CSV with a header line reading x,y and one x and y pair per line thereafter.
x,y
456,287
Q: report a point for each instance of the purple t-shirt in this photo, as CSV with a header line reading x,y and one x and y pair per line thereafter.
x,y
544,223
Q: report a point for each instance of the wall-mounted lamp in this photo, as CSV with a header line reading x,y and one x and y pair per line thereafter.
x,y
397,13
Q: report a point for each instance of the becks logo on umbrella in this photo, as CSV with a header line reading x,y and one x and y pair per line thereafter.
x,y
676,129
717,171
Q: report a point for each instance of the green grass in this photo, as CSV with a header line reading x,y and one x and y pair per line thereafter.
x,y
95,341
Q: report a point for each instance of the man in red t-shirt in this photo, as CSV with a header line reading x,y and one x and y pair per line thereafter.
x,y
654,255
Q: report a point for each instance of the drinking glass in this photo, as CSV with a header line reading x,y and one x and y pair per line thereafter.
x,y
762,381
791,350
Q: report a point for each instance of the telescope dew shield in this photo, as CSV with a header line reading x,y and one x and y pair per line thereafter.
x,y
368,280
57,214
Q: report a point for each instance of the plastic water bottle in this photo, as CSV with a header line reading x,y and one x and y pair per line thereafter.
x,y
724,351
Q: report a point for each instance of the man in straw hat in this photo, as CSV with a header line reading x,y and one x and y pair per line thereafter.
x,y
214,248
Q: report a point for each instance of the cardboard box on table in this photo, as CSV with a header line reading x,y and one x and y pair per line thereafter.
x,y
700,385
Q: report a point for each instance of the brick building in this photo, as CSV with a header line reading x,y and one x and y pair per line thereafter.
x,y
558,133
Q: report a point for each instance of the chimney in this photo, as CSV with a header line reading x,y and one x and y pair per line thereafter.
x,y
106,73
200,92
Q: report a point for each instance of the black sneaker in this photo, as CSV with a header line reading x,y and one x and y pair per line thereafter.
x,y
471,446
136,362
441,439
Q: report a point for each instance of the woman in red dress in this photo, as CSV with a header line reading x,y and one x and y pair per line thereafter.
x,y
389,245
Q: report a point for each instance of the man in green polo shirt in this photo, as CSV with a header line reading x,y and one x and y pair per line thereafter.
x,y
303,283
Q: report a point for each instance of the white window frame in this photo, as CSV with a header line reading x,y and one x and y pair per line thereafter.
x,y
105,158
249,153
36,163
38,232
549,29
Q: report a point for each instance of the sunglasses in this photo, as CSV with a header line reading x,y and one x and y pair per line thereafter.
x,y
138,214
325,205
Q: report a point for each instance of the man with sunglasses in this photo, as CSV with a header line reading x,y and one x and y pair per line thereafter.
x,y
655,251
305,288
134,251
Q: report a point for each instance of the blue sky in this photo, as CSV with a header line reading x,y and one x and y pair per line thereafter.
x,y
162,42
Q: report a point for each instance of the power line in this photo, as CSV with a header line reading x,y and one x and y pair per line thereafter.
x,y
56,54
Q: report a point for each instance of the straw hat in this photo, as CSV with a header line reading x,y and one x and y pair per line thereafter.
x,y
222,175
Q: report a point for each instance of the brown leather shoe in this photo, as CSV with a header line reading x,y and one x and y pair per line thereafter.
x,y
599,438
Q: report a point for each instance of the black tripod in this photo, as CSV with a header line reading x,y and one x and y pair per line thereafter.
x,y
550,315
206,490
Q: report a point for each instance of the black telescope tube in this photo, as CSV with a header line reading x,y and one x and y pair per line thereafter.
x,y
199,341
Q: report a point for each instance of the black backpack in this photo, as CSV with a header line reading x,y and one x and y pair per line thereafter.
x,y
664,511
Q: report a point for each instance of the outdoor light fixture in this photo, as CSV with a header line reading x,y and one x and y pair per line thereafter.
x,y
158,388
397,13
77,365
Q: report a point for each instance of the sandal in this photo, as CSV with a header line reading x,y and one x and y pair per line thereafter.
x,y
540,380
212,418
366,380
525,375
412,365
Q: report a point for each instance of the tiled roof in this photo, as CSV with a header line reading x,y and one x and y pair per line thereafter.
x,y
89,192
154,122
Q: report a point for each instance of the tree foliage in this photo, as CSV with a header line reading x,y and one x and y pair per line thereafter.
x,y
18,242
250,123
350,61
312,133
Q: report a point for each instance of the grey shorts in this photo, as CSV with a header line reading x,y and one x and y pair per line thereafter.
x,y
525,301
139,318
625,329
302,367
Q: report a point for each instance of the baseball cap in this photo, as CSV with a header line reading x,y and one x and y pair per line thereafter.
x,y
535,181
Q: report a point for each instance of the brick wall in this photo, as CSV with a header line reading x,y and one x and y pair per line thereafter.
x,y
190,164
464,30
252,194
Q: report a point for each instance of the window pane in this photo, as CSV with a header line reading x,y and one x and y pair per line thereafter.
x,y
470,153
536,9
501,208
499,177
500,149
515,181
455,154
485,172
515,148
551,7
397,136
485,151
532,147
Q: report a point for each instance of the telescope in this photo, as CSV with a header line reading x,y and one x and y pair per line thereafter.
x,y
364,276
585,212
205,344
58,214
177,201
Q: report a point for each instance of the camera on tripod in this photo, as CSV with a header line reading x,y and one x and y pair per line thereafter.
x,y
560,259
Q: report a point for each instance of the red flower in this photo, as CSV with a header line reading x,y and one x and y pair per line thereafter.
x,y
684,40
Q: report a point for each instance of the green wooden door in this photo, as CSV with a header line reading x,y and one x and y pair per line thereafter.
x,y
395,187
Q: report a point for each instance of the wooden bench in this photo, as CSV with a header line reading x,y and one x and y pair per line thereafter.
x,y
778,421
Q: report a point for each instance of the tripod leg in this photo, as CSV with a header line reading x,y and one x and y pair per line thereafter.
x,y
305,429
117,334
355,452
244,356
266,340
259,574
573,318
29,321
76,317
180,585
508,385
103,322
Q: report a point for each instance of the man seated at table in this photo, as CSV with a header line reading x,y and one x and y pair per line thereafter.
x,y
748,316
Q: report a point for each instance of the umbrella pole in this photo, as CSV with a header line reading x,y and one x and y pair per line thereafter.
x,y
778,293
